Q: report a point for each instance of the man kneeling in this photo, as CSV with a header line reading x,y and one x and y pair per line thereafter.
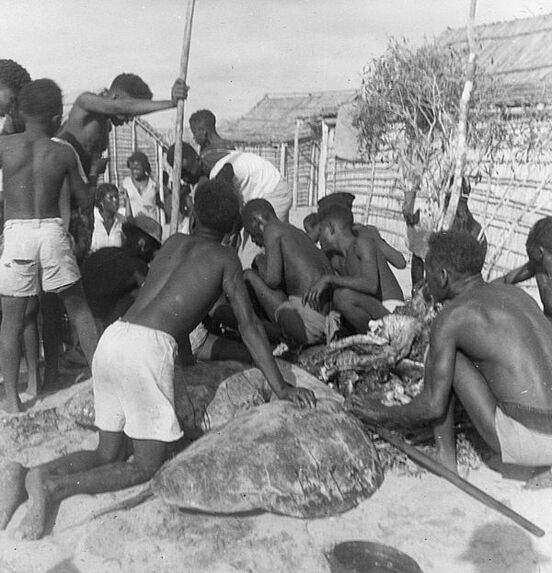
x,y
133,366
492,347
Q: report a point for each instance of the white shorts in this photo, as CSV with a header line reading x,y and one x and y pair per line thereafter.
x,y
37,256
133,373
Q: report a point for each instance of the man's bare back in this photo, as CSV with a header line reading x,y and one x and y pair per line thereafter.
x,y
185,280
504,332
34,169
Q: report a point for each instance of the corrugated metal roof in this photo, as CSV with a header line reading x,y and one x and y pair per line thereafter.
x,y
273,118
518,52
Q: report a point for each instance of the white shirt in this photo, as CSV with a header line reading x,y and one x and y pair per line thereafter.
x,y
101,238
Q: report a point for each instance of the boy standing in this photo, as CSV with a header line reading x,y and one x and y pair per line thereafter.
x,y
37,252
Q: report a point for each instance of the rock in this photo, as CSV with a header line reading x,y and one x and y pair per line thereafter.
x,y
277,457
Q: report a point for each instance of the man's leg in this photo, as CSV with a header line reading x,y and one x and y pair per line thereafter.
x,y
358,308
220,348
445,437
31,346
82,319
479,402
11,331
51,482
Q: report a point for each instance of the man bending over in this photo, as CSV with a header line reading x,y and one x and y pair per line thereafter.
x,y
490,346
37,253
291,265
133,367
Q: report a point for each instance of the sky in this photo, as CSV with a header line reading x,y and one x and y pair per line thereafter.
x,y
240,49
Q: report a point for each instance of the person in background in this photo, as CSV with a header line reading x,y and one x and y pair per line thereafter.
x,y
13,78
312,227
140,191
108,223
212,146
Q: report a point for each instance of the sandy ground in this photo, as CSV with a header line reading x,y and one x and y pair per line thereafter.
x,y
426,517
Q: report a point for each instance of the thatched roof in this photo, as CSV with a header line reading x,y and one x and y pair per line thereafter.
x,y
273,118
518,52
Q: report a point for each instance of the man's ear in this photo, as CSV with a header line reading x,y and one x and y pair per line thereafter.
x,y
141,244
443,277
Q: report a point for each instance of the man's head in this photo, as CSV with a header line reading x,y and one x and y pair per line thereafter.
x,y
340,198
312,226
216,206
128,86
107,198
255,215
192,168
203,124
139,166
40,102
335,223
143,236
13,78
539,242
453,257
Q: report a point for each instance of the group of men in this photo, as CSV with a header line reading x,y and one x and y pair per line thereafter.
x,y
303,292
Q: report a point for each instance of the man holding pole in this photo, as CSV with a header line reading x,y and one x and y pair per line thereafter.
x,y
492,346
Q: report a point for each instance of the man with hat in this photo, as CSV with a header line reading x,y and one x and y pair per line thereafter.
x,y
112,275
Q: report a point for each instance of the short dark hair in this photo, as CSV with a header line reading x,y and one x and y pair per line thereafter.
x,y
257,206
456,251
142,158
133,85
216,205
540,235
40,99
188,152
204,116
13,76
102,190
310,220
338,213
338,198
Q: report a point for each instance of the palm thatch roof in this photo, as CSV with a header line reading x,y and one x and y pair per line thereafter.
x,y
273,118
517,52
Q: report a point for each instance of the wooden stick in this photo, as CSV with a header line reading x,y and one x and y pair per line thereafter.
x,y
175,209
440,470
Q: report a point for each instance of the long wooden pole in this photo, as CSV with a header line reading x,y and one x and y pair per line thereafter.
x,y
439,469
175,210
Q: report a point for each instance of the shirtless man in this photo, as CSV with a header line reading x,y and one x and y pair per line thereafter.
x,y
491,346
37,253
133,366
290,266
539,265
359,289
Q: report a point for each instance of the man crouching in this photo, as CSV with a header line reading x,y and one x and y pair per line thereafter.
x,y
492,347
133,367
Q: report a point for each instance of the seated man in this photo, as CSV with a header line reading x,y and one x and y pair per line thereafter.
x,y
291,265
358,291
312,227
491,346
133,367
539,265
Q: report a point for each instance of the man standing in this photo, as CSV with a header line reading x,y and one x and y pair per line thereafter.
x,y
212,146
491,346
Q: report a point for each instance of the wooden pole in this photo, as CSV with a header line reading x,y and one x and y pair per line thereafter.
x,y
450,213
175,210
296,162
439,469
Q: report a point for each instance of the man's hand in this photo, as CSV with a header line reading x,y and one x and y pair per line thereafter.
x,y
313,295
412,219
179,90
299,396
367,409
98,166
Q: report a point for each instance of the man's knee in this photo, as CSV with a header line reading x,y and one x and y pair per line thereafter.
x,y
342,298
292,326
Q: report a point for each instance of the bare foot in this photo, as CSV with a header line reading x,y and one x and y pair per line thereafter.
x,y
13,494
540,480
34,384
34,522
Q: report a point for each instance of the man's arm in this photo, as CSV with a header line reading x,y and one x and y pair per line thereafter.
x,y
254,336
433,401
130,106
392,255
271,272
81,191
